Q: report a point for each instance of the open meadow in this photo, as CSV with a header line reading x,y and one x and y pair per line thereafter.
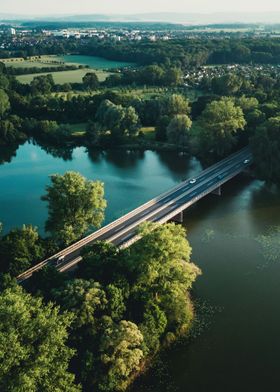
x,y
62,77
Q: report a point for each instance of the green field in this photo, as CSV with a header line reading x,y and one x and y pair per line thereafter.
x,y
62,77
96,64
40,62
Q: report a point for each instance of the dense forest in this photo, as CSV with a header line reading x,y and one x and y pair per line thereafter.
x,y
178,52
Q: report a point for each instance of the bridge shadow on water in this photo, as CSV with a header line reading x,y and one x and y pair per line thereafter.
x,y
210,204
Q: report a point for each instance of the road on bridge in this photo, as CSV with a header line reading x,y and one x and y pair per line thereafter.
x,y
123,231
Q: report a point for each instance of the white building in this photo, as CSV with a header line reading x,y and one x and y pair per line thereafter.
x,y
12,31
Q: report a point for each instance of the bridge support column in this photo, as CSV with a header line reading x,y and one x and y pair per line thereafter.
x,y
217,191
179,218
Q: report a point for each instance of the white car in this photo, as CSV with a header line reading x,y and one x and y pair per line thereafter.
x,y
193,181
247,161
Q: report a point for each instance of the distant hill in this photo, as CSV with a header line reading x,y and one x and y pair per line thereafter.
x,y
185,18
188,18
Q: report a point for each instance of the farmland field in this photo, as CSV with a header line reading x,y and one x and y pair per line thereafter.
x,y
40,62
62,77
97,64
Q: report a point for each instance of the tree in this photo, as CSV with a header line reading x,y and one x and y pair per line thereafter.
x,y
152,74
33,352
175,104
120,121
163,274
84,298
100,262
153,326
42,84
266,150
121,353
20,249
173,77
228,84
75,205
161,128
91,81
247,104
4,103
219,123
178,130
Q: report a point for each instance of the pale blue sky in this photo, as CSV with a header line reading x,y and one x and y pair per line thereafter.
x,y
31,7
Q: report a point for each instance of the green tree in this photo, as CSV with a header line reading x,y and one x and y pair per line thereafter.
x,y
152,74
4,103
173,77
33,352
178,130
84,298
228,84
247,104
153,326
42,84
219,123
175,104
90,81
20,249
120,121
100,262
266,150
75,205
121,353
164,273
161,128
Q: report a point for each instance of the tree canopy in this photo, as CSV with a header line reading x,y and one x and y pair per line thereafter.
x,y
75,205
4,103
19,249
219,123
33,352
266,150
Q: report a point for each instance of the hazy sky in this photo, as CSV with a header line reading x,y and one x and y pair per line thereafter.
x,y
48,7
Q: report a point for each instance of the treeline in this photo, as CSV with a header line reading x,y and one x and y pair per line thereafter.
x,y
34,70
152,75
237,108
181,53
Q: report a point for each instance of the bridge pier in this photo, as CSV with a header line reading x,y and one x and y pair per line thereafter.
x,y
179,218
218,191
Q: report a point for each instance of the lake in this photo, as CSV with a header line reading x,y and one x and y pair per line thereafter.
x,y
235,242
93,62
130,179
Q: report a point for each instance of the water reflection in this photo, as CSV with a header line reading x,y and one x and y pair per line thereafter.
x,y
180,165
65,153
118,157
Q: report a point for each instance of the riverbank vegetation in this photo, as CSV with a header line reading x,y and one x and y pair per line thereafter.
x,y
238,105
110,318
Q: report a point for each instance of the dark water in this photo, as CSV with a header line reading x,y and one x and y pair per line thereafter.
x,y
237,245
235,241
130,179
94,61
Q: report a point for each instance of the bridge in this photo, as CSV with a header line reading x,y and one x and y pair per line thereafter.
x,y
170,205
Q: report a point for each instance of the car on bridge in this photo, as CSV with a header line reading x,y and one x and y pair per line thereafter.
x,y
193,181
58,260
